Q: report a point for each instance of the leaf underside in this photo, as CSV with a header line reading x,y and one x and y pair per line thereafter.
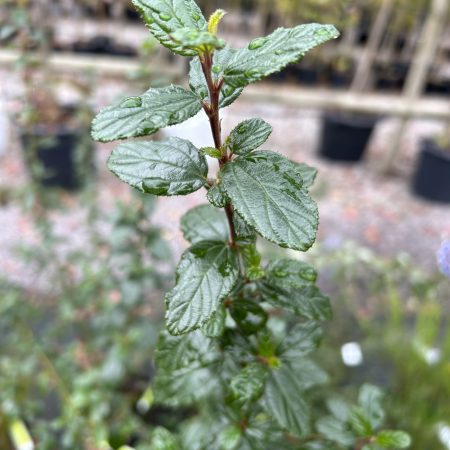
x,y
165,17
170,167
145,114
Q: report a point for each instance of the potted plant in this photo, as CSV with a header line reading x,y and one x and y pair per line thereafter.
x,y
432,174
345,136
232,347
56,144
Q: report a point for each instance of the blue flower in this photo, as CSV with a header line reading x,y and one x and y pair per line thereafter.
x,y
443,257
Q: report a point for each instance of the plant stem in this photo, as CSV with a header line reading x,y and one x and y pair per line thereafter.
x,y
212,110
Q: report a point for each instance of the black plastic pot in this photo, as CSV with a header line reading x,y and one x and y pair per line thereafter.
x,y
344,136
61,155
432,176
304,75
103,45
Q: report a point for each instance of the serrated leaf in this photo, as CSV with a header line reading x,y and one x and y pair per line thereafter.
x,y
272,202
248,384
248,135
162,439
184,387
217,197
211,151
170,167
284,399
229,438
206,274
335,430
393,439
370,399
216,325
289,284
248,315
199,41
307,302
267,55
306,173
205,223
146,114
197,80
360,423
291,273
165,17
252,262
308,373
302,339
178,352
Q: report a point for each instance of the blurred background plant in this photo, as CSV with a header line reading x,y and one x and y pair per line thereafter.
x,y
76,355
391,328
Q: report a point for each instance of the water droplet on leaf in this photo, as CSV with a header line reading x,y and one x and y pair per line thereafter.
x,y
216,68
257,43
195,16
278,52
165,17
241,129
131,102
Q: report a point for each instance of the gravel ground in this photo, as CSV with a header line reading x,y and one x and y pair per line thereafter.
x,y
355,201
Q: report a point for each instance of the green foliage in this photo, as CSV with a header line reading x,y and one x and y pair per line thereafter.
x,y
234,352
146,114
75,355
171,167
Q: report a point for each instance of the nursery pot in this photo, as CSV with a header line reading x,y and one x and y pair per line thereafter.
x,y
63,156
345,136
432,176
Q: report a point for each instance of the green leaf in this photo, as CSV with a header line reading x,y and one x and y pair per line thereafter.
x,y
205,223
229,438
252,262
217,197
302,339
163,439
145,115
248,135
393,439
272,202
206,274
184,387
199,41
370,399
197,80
284,399
248,315
178,352
359,422
266,55
216,325
306,173
290,273
170,167
335,430
165,17
308,373
289,284
211,151
248,384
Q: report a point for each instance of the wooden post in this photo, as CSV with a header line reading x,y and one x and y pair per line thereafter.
x,y
428,43
365,64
